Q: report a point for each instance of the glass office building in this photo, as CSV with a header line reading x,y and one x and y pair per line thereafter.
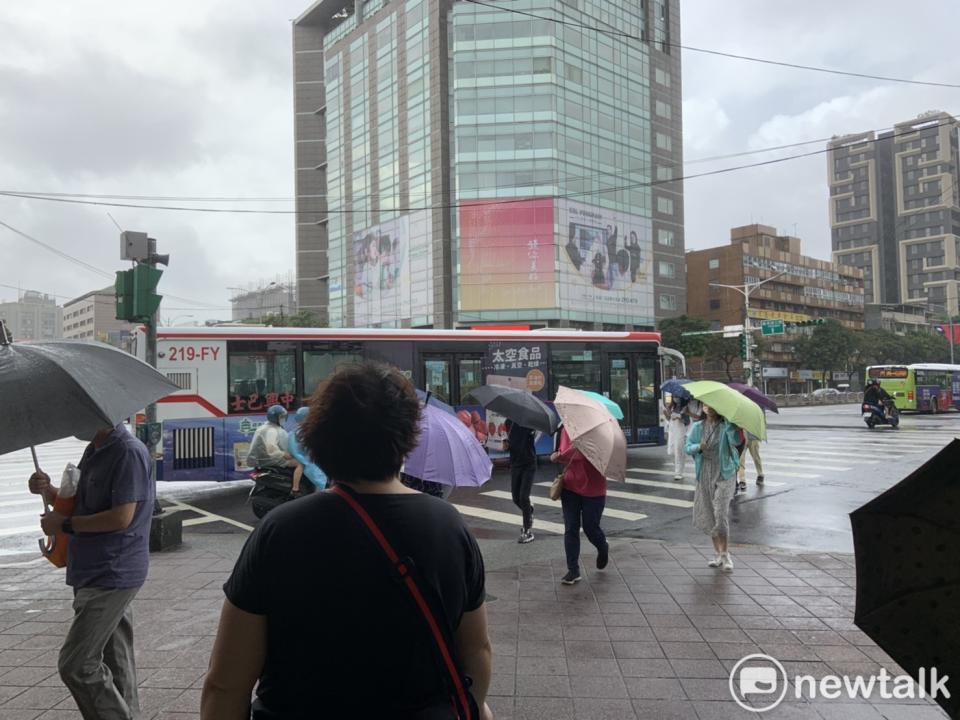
x,y
460,164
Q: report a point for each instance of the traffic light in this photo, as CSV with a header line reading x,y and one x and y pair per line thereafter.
x,y
807,323
743,345
146,302
123,290
135,291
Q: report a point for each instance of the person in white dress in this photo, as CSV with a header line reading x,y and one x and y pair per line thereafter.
x,y
677,415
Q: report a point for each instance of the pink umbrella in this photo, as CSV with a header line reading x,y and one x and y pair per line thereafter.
x,y
593,431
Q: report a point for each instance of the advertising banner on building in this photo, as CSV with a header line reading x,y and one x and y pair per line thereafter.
x,y
507,255
392,270
606,262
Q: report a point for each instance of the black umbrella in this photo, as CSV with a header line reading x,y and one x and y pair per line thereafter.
x,y
520,406
53,390
907,543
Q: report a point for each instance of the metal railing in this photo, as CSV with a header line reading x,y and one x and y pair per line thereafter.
x,y
800,399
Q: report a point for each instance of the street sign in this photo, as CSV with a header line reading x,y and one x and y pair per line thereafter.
x,y
772,327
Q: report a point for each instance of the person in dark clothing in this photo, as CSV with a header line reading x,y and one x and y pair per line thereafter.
x,y
875,394
523,467
363,650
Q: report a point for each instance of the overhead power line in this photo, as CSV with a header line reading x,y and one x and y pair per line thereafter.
x,y
718,53
87,266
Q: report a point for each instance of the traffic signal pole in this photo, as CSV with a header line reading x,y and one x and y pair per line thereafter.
x,y
745,290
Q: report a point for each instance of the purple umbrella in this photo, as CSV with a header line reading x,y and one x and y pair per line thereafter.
x,y
448,452
758,397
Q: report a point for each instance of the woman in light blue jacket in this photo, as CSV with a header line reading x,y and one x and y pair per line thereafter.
x,y
713,444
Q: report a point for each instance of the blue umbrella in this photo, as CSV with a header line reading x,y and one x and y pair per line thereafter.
x,y
609,404
674,386
431,399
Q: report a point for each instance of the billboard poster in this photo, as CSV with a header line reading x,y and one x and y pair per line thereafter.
x,y
507,255
392,278
606,262
520,365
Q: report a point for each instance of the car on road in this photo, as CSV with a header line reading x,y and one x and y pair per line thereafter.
x,y
825,393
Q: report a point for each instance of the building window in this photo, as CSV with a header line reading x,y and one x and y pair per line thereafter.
x,y
664,142
713,263
665,237
664,173
714,304
662,109
666,269
668,302
661,77
665,205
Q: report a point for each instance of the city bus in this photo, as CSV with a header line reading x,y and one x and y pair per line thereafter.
x,y
229,375
922,387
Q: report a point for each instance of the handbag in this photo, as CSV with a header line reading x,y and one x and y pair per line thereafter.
x,y
461,699
556,487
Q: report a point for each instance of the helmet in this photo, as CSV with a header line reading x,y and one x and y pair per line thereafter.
x,y
874,382
302,413
276,413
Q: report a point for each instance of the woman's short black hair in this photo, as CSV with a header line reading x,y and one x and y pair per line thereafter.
x,y
363,422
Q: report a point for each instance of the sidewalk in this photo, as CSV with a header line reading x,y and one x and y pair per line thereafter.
x,y
653,636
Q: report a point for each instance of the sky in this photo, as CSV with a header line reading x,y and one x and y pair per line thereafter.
x,y
194,99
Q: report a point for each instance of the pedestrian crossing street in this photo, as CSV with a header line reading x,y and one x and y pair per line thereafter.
x,y
791,457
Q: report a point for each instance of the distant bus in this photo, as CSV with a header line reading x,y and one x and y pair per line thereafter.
x,y
923,387
230,375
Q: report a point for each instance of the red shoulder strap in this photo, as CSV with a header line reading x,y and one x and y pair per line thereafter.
x,y
418,598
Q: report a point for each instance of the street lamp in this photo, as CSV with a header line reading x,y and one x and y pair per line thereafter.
x,y
746,289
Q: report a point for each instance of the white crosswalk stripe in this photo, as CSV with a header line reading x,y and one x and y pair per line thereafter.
x,y
512,519
547,502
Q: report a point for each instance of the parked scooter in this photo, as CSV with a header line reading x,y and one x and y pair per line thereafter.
x,y
887,414
273,487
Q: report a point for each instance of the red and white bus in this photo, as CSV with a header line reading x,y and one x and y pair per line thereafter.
x,y
230,375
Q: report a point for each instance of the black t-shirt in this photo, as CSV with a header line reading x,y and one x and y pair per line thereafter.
x,y
344,638
522,448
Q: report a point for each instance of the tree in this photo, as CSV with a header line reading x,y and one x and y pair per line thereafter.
x,y
831,346
672,329
725,351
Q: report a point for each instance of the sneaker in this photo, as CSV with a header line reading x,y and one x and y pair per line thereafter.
x,y
678,478
716,562
603,557
759,479
526,536
570,578
727,562
742,485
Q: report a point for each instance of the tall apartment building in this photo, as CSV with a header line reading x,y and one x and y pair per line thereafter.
x,y
93,316
33,316
460,164
895,210
807,289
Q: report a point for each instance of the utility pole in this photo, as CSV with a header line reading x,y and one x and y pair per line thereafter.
x,y
746,289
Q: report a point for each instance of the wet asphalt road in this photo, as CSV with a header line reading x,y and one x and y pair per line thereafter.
x,y
820,464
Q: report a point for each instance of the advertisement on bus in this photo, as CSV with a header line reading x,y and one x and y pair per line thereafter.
x,y
392,270
507,255
606,263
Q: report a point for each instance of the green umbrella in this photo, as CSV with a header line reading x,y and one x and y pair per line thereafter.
x,y
609,404
737,408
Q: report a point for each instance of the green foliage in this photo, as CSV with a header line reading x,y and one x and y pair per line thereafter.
x,y
301,319
725,351
672,329
830,346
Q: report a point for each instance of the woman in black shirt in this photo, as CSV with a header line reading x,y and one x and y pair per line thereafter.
x,y
314,616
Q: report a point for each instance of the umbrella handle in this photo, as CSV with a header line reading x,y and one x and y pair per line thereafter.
x,y
48,545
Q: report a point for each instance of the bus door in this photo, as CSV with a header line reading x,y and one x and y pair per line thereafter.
x,y
633,386
451,376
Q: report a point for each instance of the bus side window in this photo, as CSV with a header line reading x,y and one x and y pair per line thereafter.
x,y
257,380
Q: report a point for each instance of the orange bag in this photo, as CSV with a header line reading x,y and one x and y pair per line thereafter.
x,y
55,548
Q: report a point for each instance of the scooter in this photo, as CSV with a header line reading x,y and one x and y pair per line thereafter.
x,y
271,488
874,415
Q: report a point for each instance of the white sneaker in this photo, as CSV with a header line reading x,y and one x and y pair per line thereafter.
x,y
716,562
678,478
526,536
727,562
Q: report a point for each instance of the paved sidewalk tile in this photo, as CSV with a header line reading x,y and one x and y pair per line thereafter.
x,y
655,635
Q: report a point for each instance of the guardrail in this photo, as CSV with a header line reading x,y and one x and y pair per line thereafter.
x,y
797,399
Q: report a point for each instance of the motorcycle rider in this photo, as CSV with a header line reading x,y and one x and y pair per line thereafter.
x,y
874,394
268,450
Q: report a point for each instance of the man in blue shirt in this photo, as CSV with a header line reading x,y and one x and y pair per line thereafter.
x,y
107,563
